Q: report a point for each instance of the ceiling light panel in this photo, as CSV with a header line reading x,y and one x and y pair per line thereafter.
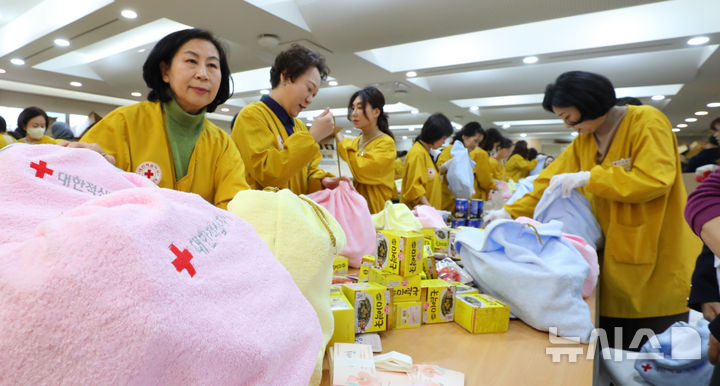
x,y
77,61
549,36
530,122
53,14
251,80
285,9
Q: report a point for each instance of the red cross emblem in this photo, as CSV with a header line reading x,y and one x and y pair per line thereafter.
x,y
182,261
646,367
151,170
149,174
41,169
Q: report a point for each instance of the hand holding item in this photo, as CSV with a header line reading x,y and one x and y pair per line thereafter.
x,y
323,125
92,146
498,214
568,182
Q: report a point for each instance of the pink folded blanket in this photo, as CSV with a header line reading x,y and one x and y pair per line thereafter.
x,y
145,286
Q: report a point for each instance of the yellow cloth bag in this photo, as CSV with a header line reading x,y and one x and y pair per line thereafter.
x,y
397,217
305,238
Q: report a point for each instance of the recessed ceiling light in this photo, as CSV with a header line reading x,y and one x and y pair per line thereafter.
x,y
530,59
657,97
76,84
62,42
574,133
17,61
224,109
129,14
141,50
713,104
506,126
523,135
701,113
474,108
404,137
696,41
411,74
411,129
264,92
675,130
136,93
2,71
348,131
690,120
681,125
333,83
414,111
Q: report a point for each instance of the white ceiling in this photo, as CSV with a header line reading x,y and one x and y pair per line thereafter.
x,y
642,48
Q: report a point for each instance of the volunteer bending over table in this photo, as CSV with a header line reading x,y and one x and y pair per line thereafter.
x,y
278,150
33,121
421,181
497,162
167,138
370,156
518,166
625,162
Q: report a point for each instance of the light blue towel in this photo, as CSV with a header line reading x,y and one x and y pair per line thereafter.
x,y
573,212
537,272
525,185
683,356
540,166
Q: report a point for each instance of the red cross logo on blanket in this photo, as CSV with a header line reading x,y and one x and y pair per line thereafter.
x,y
41,169
182,261
646,367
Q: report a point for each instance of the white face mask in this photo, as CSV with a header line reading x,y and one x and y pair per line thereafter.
x,y
36,132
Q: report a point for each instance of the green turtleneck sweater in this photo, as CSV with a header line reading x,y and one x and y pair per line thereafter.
x,y
183,130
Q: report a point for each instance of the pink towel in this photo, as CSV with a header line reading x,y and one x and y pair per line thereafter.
x,y
147,286
429,216
41,181
585,249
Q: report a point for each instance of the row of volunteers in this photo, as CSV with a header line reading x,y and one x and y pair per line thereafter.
x,y
624,160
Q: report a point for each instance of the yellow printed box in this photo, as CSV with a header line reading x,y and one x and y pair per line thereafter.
x,y
340,266
399,252
364,272
405,315
441,240
344,315
464,289
481,313
405,289
372,304
428,238
438,297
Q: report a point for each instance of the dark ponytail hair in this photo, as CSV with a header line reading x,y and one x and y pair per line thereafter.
x,y
492,136
373,97
470,129
521,148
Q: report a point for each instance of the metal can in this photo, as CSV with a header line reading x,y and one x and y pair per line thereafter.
x,y
458,222
461,208
476,208
474,222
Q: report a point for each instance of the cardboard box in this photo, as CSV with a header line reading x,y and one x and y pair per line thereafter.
x,y
464,289
399,252
405,315
344,315
340,266
364,271
405,289
438,297
441,240
481,313
372,304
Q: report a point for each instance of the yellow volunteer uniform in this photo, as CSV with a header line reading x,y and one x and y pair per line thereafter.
x,y
272,158
484,182
497,169
398,165
137,137
649,249
447,202
518,167
45,140
372,169
420,178
2,142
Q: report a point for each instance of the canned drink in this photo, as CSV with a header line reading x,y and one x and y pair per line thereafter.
x,y
461,207
476,208
458,222
474,222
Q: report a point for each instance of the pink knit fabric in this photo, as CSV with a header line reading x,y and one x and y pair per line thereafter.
x,y
144,286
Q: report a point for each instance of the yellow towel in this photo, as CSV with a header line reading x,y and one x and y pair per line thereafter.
x,y
305,238
397,217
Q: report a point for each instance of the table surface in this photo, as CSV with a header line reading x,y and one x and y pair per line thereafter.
x,y
515,357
